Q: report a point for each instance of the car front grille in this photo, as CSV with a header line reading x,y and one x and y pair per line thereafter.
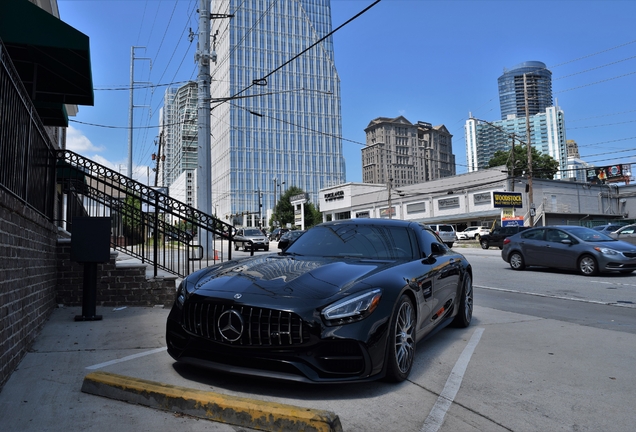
x,y
251,326
629,254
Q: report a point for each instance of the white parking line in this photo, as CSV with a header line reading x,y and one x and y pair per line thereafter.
x,y
436,417
606,303
130,357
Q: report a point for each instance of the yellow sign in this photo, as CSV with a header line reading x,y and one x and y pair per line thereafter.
x,y
507,199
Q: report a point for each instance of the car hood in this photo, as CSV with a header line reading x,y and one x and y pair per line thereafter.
x,y
618,245
285,275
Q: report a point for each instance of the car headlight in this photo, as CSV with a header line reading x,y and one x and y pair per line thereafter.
x,y
181,295
355,308
606,251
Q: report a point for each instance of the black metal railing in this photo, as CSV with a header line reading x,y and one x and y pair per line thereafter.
x,y
27,155
146,223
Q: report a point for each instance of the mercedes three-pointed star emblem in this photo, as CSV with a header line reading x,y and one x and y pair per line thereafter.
x,y
230,325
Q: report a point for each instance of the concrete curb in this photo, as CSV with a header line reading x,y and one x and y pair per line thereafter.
x,y
255,414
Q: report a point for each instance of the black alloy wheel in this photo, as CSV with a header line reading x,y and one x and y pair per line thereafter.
x,y
484,244
465,312
401,347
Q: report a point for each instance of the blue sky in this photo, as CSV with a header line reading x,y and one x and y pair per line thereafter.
x,y
431,61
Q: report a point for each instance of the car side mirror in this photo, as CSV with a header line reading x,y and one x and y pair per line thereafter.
x,y
566,241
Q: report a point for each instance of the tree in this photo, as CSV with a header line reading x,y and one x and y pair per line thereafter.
x,y
284,211
543,165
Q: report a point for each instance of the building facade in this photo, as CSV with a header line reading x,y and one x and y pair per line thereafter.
x,y
512,91
468,200
404,153
547,135
178,144
285,128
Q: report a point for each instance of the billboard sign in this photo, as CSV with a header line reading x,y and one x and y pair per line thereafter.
x,y
507,199
609,174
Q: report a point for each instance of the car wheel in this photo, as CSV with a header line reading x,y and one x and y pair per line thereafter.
x,y
484,244
266,248
516,261
588,265
401,348
245,249
236,246
477,237
465,312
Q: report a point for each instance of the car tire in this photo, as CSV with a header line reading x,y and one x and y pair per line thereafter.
x,y
266,248
465,312
477,236
245,249
236,247
484,244
588,266
516,261
401,344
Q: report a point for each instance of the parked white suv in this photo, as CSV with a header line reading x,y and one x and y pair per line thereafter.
x,y
445,232
472,232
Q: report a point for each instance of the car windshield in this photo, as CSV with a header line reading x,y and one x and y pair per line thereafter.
x,y
361,241
253,232
589,235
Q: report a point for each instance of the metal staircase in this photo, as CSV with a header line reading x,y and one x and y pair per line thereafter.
x,y
146,223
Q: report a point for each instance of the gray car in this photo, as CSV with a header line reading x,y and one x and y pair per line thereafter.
x,y
626,233
569,247
251,238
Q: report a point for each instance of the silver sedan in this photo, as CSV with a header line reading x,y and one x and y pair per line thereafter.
x,y
626,233
569,247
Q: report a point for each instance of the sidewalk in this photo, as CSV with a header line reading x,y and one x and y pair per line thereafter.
x,y
79,375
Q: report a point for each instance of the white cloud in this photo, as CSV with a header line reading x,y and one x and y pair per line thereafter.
x,y
76,141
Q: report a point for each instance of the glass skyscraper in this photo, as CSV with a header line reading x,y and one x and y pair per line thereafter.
x,y
511,89
282,126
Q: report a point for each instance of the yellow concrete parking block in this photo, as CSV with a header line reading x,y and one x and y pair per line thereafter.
x,y
251,413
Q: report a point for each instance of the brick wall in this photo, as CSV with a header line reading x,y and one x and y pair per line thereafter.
x,y
116,285
28,275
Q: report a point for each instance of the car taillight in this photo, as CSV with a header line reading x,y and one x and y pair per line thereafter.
x,y
506,241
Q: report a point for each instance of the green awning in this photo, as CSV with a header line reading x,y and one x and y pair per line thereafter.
x,y
51,57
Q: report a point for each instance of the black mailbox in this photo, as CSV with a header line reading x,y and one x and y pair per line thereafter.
x,y
90,244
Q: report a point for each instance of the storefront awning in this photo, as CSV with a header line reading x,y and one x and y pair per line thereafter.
x,y
51,57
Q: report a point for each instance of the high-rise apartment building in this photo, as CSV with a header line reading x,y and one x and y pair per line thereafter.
x,y
546,120
577,168
547,135
179,136
405,153
512,91
283,128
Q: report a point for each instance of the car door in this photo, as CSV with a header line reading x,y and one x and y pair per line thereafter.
x,y
556,253
532,245
445,272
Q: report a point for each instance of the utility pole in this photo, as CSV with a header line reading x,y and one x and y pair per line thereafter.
x,y
389,189
530,198
203,57
132,106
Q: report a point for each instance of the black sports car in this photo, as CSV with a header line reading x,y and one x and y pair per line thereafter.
x,y
347,301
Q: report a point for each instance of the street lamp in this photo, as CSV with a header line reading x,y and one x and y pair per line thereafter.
x,y
276,186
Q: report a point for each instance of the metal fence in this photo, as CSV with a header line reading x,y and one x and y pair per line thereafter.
x,y
27,155
146,223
